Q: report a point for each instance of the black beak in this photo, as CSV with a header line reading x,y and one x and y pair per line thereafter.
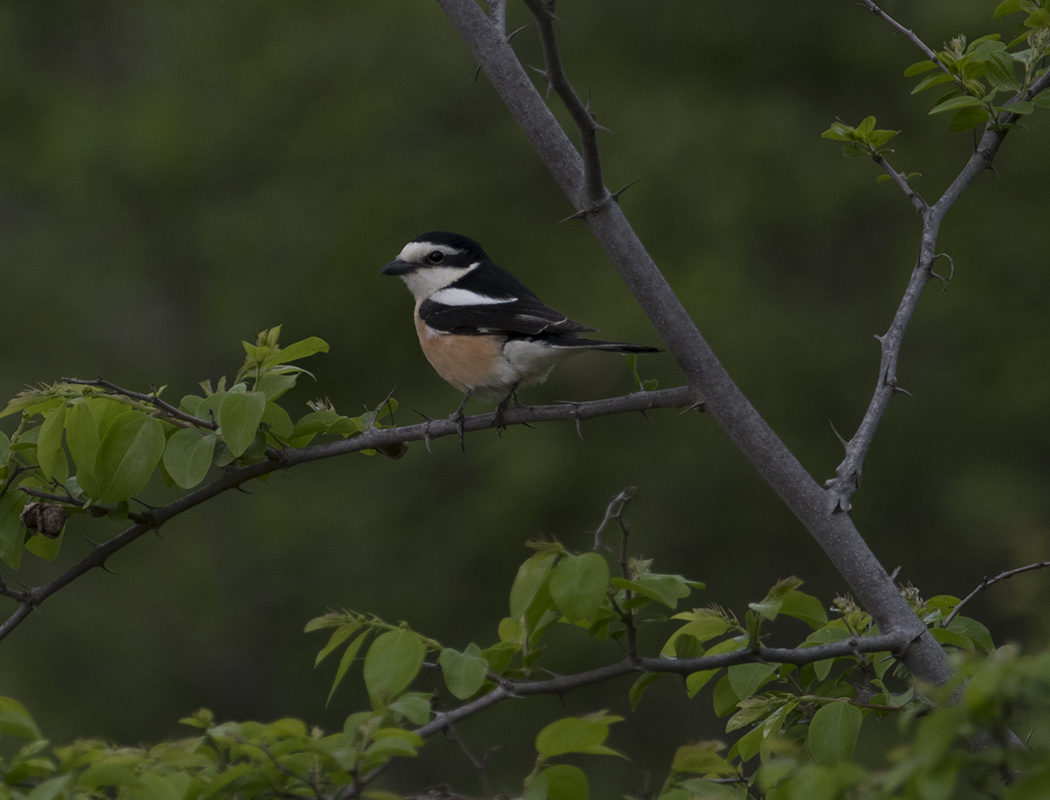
x,y
397,268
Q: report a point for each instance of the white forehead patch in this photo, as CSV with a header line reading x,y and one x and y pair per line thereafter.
x,y
465,297
415,252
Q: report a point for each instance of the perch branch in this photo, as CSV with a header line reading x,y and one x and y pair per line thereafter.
x,y
376,438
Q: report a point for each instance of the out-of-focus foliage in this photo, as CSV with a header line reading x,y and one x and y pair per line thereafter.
x,y
796,726
178,176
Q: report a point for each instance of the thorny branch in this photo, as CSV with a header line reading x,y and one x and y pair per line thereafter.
x,y
507,689
844,485
594,191
1002,576
374,439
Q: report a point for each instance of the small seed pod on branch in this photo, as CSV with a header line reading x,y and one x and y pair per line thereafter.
x,y
47,519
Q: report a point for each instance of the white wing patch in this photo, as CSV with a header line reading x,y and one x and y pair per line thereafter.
x,y
465,297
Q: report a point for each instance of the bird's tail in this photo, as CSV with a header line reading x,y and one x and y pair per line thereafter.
x,y
597,344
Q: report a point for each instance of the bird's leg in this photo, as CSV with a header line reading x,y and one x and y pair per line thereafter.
x,y
457,417
501,409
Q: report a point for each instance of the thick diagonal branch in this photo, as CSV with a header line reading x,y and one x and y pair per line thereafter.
x,y
725,402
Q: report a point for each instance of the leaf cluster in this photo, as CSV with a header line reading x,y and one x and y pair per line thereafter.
x,y
796,725
90,447
982,70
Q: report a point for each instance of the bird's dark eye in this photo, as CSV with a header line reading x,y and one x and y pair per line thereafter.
x,y
435,257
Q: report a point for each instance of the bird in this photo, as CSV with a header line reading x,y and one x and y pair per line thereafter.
x,y
482,329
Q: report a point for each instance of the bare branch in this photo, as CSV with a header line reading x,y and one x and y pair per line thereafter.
x,y
1002,576
374,439
594,189
152,399
911,37
902,182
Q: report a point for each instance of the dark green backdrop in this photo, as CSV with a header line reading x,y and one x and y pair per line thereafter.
x,y
176,176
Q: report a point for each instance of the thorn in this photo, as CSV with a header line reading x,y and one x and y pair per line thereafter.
x,y
477,72
92,542
105,568
697,406
515,32
843,442
897,389
647,418
578,215
616,195
426,436
895,573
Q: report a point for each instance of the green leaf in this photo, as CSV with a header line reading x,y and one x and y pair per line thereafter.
x,y
833,733
575,735
127,456
701,759
413,706
918,68
950,637
1007,7
340,635
804,607
12,534
703,625
956,102
187,456
302,349
5,449
1042,100
464,672
1000,70
15,720
239,418
1021,107
531,578
639,687
975,631
558,782
49,452
932,80
967,118
82,438
747,678
578,584
665,589
344,663
392,663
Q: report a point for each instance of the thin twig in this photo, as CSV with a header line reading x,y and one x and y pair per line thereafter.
x,y
595,193
894,643
151,399
1002,576
902,182
911,37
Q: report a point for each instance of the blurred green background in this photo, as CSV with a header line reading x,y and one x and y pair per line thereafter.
x,y
175,177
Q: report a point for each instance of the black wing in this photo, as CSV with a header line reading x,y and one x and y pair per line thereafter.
x,y
522,317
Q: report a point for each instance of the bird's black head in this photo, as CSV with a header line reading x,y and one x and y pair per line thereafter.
x,y
436,249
